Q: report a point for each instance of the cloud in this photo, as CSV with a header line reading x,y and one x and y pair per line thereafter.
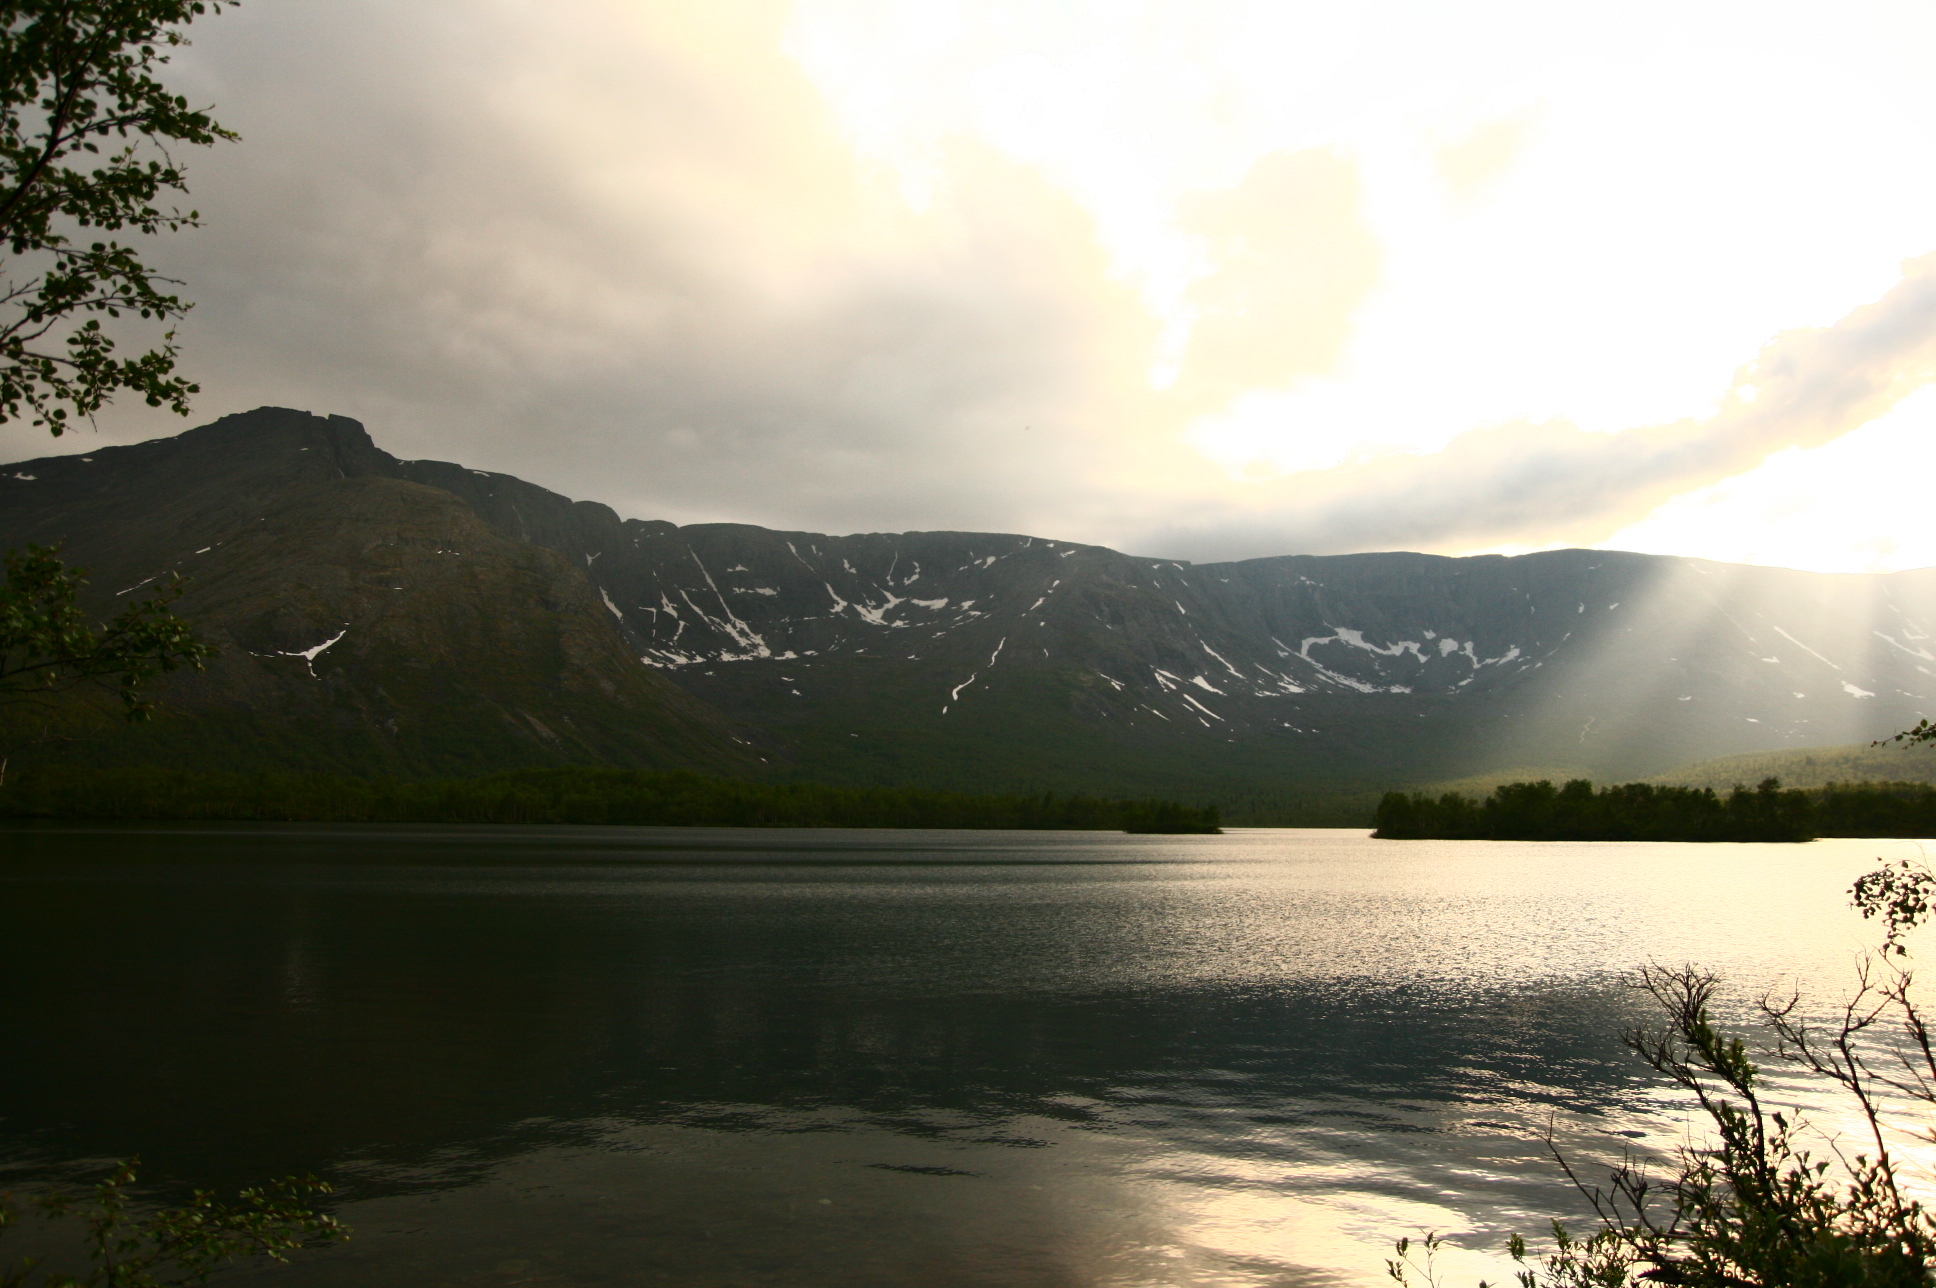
x,y
1551,482
1472,162
1293,259
626,251
623,251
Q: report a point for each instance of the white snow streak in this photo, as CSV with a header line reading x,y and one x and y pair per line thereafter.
x,y
1803,647
1924,654
1220,657
309,655
954,694
1199,706
742,634
877,616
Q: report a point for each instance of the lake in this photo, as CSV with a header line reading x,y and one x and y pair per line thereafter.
x,y
577,1055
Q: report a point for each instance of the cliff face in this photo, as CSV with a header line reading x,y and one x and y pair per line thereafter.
x,y
966,659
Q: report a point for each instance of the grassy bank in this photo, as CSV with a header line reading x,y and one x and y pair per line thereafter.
x,y
609,796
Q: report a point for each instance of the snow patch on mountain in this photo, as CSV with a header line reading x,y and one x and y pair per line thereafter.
x,y
1803,647
1221,658
1924,654
1199,706
878,616
309,655
1356,639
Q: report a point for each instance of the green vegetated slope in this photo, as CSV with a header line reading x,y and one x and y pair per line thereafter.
x,y
582,795
1811,767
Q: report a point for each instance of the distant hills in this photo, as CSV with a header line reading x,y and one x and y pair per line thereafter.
x,y
421,618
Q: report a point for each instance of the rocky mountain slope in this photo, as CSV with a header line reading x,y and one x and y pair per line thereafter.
x,y
960,659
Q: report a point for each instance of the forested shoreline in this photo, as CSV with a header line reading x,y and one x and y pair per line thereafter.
x,y
585,795
1537,811
1643,812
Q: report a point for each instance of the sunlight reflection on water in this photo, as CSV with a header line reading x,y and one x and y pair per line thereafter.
x,y
593,1055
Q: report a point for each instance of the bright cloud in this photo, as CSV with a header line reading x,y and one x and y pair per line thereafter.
x,y
1217,278
1554,483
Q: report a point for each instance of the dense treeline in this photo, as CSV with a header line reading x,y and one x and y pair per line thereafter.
x,y
1640,812
610,796
1875,809
1630,812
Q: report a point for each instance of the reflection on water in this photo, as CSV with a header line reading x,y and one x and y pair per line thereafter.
x,y
635,1055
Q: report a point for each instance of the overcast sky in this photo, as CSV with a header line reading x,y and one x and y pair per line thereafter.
x,y
1201,279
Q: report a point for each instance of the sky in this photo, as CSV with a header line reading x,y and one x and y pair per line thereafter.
x,y
1202,280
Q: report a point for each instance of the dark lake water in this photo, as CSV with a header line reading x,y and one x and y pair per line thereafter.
x,y
622,1055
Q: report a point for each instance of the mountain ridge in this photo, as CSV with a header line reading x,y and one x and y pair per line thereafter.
x,y
982,660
